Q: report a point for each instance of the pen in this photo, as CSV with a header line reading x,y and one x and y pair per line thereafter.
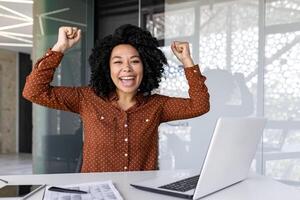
x,y
66,190
4,181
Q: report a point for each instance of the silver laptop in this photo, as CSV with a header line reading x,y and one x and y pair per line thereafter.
x,y
228,159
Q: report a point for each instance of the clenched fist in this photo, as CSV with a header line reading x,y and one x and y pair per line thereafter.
x,y
67,38
182,52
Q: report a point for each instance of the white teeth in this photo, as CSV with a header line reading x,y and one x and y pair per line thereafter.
x,y
127,78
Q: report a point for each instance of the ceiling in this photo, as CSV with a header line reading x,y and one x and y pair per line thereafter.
x,y
16,25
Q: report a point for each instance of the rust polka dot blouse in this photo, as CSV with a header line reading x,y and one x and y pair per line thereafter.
x,y
114,139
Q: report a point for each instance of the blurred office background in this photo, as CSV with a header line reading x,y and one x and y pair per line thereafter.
x,y
248,50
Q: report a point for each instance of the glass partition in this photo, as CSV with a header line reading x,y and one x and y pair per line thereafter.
x,y
282,91
57,134
223,38
248,50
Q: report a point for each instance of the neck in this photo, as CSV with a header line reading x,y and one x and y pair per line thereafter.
x,y
126,100
126,97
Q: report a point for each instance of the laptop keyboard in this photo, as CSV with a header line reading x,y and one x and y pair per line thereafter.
x,y
182,185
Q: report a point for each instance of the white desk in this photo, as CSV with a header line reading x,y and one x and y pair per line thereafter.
x,y
254,188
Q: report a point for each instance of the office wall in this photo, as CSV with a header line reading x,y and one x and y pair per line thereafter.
x,y
24,106
111,14
8,112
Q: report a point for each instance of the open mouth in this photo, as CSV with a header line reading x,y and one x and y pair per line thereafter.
x,y
127,81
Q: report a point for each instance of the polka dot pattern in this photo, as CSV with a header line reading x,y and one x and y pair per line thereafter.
x,y
114,139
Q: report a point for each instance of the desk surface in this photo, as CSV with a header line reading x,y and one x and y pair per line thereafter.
x,y
253,188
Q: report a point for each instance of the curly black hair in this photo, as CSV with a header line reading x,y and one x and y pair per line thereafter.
x,y
147,46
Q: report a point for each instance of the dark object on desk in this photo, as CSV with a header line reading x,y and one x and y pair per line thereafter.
x,y
66,190
182,185
17,190
4,181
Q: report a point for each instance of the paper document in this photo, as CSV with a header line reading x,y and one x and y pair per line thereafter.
x,y
104,190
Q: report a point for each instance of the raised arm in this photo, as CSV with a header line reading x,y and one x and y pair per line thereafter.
x,y
37,87
198,103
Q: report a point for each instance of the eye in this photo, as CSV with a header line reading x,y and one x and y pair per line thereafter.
x,y
135,61
117,62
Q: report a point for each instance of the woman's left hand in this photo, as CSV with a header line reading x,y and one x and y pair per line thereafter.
x,y
182,52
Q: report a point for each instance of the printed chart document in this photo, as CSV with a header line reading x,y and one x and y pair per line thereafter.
x,y
104,190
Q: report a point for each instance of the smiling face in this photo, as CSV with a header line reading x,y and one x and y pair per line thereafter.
x,y
126,68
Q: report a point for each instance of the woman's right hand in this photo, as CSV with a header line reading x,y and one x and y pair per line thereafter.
x,y
67,38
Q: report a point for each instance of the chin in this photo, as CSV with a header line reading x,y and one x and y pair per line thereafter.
x,y
128,90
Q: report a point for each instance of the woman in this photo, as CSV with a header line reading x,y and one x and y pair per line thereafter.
x,y
120,115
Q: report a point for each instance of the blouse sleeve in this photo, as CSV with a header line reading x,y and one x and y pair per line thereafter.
x,y
38,89
184,108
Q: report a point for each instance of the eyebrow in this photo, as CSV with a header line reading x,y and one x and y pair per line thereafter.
x,y
135,56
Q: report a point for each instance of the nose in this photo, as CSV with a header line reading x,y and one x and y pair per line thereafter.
x,y
127,67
